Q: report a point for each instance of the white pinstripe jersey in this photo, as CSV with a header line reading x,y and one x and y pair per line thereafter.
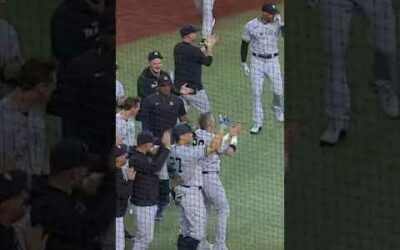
x,y
125,129
186,161
23,139
213,161
263,38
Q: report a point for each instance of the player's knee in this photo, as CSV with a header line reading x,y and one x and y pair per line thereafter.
x,y
223,209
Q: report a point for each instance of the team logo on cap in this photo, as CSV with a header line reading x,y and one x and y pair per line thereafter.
x,y
156,53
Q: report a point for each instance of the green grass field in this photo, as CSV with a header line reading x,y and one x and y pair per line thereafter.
x,y
340,197
253,178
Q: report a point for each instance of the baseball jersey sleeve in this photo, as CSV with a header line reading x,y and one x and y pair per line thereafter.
x,y
118,128
246,34
201,58
181,108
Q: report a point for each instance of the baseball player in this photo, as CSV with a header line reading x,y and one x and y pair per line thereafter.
x,y
124,177
212,186
125,122
145,196
185,159
263,35
189,60
336,19
205,7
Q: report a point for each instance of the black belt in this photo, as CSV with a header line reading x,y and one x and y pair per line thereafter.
x,y
210,172
267,56
198,187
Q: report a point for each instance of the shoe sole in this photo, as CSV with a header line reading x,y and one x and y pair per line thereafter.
x,y
255,133
342,136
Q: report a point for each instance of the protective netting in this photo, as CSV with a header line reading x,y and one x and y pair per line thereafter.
x,y
344,196
57,124
246,195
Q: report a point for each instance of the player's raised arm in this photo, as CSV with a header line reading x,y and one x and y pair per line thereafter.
x,y
215,144
232,140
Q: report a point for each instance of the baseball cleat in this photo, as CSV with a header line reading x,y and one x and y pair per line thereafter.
x,y
279,116
128,236
255,130
159,217
387,97
334,132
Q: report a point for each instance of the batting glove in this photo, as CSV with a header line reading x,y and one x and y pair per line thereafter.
x,y
246,69
177,195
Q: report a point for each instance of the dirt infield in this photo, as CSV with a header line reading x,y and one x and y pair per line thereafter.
x,y
137,19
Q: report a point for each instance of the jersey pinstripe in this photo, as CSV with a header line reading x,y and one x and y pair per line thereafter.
x,y
186,161
263,38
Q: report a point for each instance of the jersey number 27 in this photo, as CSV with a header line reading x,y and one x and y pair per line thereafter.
x,y
174,162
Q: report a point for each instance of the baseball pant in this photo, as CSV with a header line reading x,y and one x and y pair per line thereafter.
x,y
200,101
206,9
260,70
336,24
119,233
193,213
145,217
214,193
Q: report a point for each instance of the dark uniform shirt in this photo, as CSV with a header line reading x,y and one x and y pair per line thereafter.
x,y
146,184
124,191
84,101
74,30
147,83
71,221
160,113
189,60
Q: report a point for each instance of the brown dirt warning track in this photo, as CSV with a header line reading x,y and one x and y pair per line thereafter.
x,y
138,19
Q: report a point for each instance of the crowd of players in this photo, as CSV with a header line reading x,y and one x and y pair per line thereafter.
x,y
63,196
59,195
168,158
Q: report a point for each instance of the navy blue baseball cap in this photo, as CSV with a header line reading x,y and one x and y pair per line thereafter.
x,y
12,185
164,79
69,154
270,8
145,137
154,55
181,129
120,150
188,29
